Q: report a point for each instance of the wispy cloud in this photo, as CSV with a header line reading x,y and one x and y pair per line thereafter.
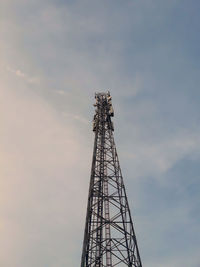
x,y
20,74
76,117
60,92
158,157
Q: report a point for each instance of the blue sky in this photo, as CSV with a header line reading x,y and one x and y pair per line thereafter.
x,y
54,56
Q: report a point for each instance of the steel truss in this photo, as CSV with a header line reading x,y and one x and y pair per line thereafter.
x,y
109,238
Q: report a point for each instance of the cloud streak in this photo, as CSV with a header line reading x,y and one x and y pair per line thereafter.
x,y
20,74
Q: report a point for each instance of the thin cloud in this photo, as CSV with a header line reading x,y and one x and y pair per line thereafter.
x,y
21,74
60,92
76,117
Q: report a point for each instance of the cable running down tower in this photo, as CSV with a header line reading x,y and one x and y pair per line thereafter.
x,y
109,238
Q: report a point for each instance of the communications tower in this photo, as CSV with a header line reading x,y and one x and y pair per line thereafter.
x,y
109,238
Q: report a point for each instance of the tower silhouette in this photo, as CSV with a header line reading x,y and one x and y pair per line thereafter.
x,y
109,238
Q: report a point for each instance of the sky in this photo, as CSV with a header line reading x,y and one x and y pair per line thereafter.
x,y
55,54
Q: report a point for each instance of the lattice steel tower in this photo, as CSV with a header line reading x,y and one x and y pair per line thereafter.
x,y
109,238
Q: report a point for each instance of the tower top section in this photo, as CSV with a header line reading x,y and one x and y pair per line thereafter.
x,y
103,98
104,110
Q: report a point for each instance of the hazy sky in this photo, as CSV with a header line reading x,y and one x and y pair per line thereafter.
x,y
55,54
